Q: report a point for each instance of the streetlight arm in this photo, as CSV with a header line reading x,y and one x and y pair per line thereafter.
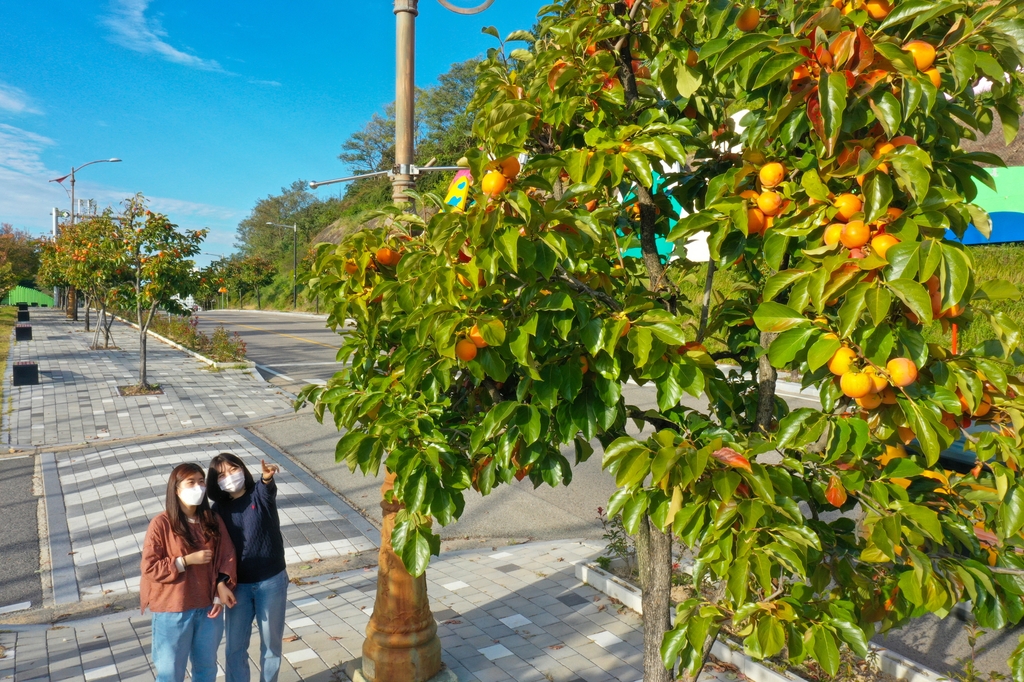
x,y
466,10
75,170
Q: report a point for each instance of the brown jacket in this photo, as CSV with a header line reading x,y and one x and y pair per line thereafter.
x,y
163,588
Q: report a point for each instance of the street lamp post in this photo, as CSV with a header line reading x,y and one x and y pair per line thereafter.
x,y
401,638
72,293
295,261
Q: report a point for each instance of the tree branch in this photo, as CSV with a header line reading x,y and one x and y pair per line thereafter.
x,y
581,288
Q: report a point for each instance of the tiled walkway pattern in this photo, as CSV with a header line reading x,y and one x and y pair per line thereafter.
x,y
77,399
111,494
513,615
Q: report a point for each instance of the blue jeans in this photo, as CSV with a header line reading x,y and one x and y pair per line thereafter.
x,y
265,602
177,636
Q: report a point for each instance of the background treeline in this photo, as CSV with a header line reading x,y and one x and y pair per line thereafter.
x,y
260,273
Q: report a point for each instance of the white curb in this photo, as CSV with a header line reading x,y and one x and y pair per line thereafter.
x,y
630,596
237,364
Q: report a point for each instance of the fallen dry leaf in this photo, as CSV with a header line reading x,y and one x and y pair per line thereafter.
x,y
556,647
291,639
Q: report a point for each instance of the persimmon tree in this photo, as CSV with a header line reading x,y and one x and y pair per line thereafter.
x,y
820,148
157,257
87,255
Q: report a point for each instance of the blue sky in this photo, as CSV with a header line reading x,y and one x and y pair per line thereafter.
x,y
211,105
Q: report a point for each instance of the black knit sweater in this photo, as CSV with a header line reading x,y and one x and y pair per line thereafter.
x,y
255,529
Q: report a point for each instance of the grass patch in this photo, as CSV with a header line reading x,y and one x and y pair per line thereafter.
x,y
996,261
8,318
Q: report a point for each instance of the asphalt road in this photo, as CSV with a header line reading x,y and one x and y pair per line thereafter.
x,y
19,541
290,350
294,350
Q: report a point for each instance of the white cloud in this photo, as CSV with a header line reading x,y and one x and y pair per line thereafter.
x,y
20,150
273,84
134,30
15,100
26,193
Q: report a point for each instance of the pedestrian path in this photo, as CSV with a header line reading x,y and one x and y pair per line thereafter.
x,y
518,614
77,400
109,495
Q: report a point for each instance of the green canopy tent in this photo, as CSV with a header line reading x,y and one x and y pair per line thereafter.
x,y
26,295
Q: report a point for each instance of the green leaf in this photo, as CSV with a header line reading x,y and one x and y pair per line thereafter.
x,y
877,196
788,345
558,300
995,290
826,650
673,643
832,93
493,332
640,166
639,345
812,184
852,635
905,11
416,553
963,62
1011,514
888,112
739,49
634,510
779,281
914,296
524,36
775,317
777,66
958,274
878,301
821,352
926,519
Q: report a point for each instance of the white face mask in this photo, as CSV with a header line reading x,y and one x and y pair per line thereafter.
x,y
192,496
232,483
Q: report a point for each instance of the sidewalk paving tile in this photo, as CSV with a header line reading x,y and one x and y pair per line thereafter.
x,y
328,618
110,494
76,400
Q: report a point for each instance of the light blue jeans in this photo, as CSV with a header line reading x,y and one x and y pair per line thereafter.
x,y
263,602
178,636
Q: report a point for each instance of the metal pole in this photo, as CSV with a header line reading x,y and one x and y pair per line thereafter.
x,y
56,290
295,267
72,292
405,97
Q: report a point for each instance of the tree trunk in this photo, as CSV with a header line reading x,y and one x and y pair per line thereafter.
x,y
766,378
108,336
259,305
654,558
709,642
88,303
705,306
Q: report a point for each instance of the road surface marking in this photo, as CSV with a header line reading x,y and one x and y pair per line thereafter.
x,y
305,364
8,459
276,374
290,336
15,607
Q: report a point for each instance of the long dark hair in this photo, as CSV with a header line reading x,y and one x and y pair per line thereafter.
x,y
213,490
176,513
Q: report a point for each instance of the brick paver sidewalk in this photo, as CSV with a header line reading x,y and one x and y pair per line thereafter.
x,y
77,400
518,614
109,495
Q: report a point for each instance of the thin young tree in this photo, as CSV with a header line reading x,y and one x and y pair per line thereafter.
x,y
157,257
